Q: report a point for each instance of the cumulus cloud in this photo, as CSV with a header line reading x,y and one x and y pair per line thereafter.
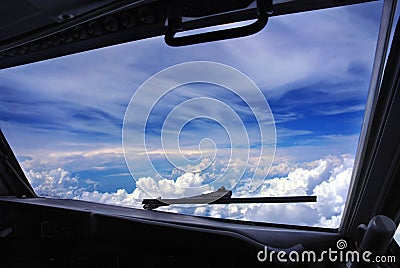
x,y
120,198
328,178
397,236
185,185
58,183
53,183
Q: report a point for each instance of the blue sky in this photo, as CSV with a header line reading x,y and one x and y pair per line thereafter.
x,y
64,117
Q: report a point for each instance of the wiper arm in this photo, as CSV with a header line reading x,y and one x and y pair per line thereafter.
x,y
223,196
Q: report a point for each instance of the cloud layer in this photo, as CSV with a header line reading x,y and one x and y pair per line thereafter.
x,y
327,178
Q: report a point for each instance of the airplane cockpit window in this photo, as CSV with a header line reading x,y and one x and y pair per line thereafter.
x,y
274,114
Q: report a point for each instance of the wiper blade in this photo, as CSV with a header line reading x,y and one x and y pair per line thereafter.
x,y
223,196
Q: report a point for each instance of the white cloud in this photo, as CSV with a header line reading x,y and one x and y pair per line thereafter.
x,y
328,178
53,183
120,198
187,184
341,110
58,183
297,45
397,235
99,158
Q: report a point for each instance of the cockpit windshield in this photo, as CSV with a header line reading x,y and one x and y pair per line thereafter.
x,y
275,114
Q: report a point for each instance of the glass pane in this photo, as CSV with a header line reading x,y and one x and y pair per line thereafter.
x,y
64,118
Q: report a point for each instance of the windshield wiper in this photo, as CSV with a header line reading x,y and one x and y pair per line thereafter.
x,y
223,196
